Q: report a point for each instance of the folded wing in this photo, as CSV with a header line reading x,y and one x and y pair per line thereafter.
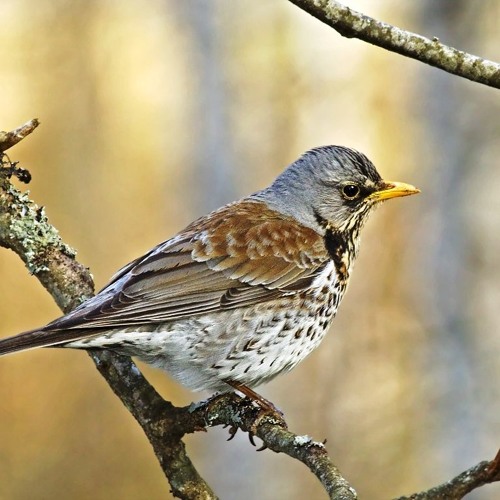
x,y
238,256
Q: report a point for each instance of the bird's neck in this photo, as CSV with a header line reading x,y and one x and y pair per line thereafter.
x,y
342,248
342,245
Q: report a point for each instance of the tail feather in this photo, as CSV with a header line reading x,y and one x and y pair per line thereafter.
x,y
39,338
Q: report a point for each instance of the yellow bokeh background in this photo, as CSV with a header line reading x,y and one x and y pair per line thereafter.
x,y
156,111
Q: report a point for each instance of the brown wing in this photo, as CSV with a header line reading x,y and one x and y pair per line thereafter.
x,y
240,255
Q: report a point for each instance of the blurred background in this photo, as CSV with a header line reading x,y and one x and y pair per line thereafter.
x,y
154,112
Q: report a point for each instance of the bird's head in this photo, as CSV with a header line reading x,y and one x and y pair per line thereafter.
x,y
332,187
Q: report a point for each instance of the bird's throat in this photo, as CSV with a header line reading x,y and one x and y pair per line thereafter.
x,y
338,248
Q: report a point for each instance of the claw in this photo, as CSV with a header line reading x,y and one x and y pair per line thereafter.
x,y
232,432
250,438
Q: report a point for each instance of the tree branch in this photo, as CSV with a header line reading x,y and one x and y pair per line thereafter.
x,y
162,422
230,409
9,139
456,488
352,24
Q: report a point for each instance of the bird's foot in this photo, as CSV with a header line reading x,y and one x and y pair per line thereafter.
x,y
263,408
233,430
256,398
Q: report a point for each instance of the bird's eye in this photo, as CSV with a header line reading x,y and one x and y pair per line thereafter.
x,y
350,191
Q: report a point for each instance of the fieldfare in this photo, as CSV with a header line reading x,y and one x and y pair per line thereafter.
x,y
244,293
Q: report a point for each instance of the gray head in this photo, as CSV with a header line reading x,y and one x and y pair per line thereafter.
x,y
331,187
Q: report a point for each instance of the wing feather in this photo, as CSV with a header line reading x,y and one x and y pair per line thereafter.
x,y
238,256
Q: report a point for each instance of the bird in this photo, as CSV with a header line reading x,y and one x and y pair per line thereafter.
x,y
242,294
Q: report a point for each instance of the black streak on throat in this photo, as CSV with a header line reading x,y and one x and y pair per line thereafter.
x,y
335,244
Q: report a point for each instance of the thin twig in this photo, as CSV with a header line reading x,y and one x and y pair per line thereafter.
x,y
352,24
9,139
271,428
456,488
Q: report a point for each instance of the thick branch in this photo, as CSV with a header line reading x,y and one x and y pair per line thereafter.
x,y
24,228
162,422
352,24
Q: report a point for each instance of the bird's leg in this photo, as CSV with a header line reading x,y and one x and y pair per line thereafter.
x,y
262,402
264,406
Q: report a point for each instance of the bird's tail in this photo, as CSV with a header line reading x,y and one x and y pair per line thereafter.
x,y
38,338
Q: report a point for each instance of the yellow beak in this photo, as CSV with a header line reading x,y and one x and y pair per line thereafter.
x,y
391,189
